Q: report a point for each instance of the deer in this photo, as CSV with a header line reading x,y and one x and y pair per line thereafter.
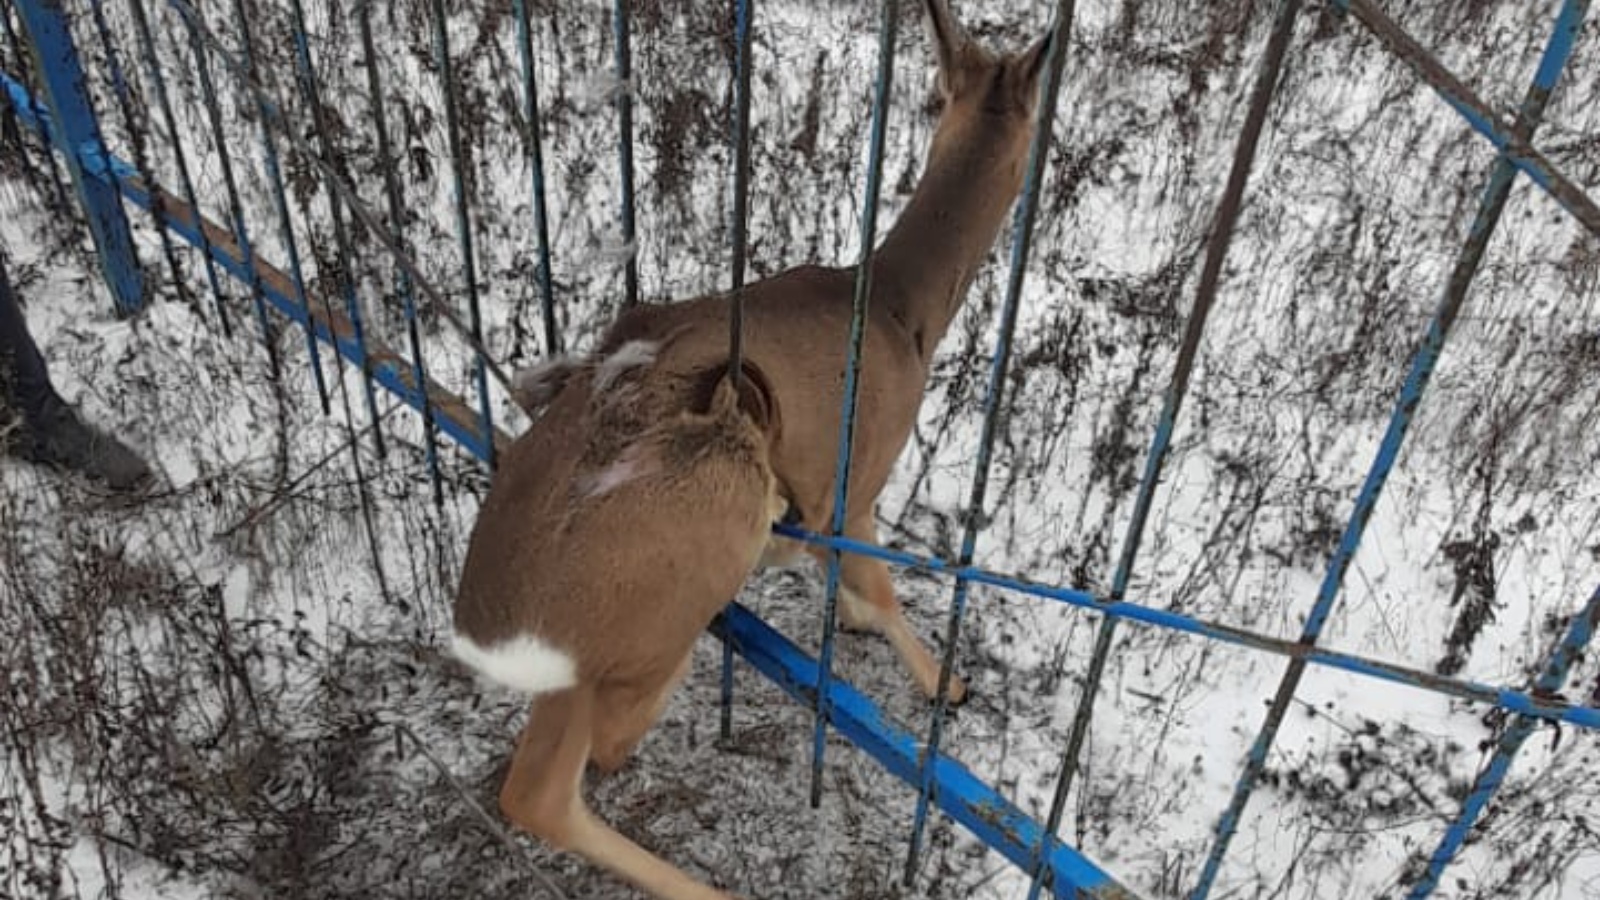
x,y
613,532
643,493
797,322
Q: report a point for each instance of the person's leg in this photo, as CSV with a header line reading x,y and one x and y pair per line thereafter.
x,y
24,380
37,425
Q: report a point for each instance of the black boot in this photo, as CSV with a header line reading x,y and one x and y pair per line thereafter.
x,y
56,436
34,422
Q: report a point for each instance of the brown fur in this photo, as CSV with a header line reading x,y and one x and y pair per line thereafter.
x,y
625,518
622,582
797,323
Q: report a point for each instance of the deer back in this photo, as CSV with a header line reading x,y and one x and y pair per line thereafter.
x,y
618,524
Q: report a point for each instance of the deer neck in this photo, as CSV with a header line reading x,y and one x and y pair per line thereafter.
x,y
925,264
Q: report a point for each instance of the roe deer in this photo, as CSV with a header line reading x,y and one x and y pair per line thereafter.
x,y
797,322
613,531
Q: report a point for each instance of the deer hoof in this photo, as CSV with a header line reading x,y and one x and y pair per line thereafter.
x,y
957,696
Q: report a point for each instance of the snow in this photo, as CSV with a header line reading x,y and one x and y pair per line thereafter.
x,y
205,691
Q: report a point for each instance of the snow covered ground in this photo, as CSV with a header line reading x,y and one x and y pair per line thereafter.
x,y
218,692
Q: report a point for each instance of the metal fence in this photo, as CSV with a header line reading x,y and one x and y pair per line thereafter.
x,y
55,101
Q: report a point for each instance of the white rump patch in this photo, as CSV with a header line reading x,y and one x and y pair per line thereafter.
x,y
631,355
524,663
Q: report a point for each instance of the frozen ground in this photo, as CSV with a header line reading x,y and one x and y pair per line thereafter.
x,y
213,693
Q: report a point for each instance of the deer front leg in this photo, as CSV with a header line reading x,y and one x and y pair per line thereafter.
x,y
867,603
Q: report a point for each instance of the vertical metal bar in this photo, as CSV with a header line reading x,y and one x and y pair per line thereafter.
x,y
67,92
391,187
280,198
624,63
1582,627
743,13
441,51
124,100
15,43
241,234
1501,178
307,76
152,65
993,401
342,191
725,707
541,220
741,181
852,374
312,94
1227,215
978,807
453,415
136,138
1580,630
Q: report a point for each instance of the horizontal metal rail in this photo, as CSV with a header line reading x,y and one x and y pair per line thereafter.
x,y
1580,631
1478,114
49,35
1419,373
960,794
1549,708
976,805
389,367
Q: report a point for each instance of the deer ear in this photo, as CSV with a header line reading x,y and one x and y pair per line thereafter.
x,y
948,37
1033,59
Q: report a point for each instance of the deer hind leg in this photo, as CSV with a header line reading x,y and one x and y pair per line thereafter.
x,y
625,714
541,795
867,603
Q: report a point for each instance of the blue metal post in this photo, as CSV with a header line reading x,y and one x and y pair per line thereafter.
x,y
741,181
852,377
541,220
78,138
1580,631
1557,50
993,402
47,158
286,297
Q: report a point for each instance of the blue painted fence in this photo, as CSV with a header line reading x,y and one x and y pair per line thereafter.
x,y
104,182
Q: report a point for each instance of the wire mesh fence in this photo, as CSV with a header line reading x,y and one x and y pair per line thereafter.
x,y
285,158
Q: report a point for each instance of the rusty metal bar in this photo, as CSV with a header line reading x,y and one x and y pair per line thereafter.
x,y
1513,146
1496,192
